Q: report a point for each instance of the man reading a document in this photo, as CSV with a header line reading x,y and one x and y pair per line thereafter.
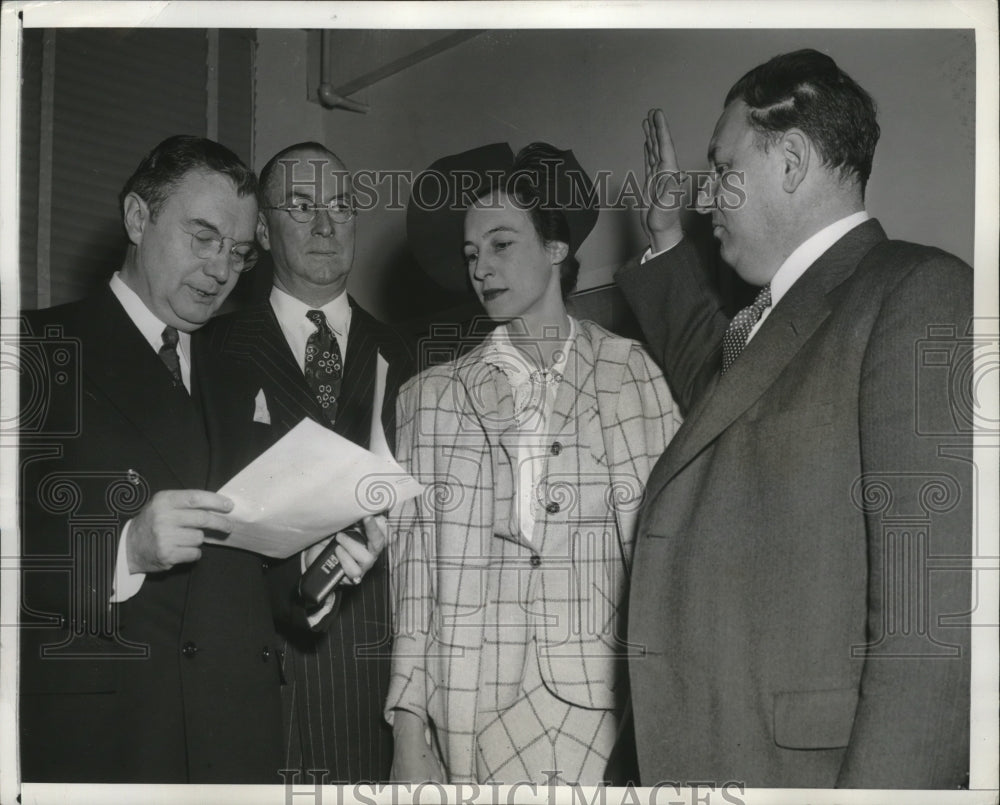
x,y
146,655
311,351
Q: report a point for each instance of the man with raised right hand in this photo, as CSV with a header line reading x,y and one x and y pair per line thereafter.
x,y
801,579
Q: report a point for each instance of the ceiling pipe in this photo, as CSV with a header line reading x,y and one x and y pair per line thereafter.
x,y
326,92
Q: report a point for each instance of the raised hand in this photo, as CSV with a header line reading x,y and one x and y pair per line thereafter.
x,y
665,187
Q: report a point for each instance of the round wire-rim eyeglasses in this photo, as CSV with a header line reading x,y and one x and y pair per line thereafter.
x,y
206,244
303,212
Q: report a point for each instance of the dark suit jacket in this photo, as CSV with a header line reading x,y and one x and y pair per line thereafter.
x,y
180,682
801,573
343,669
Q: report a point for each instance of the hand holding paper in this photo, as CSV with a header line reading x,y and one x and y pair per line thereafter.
x,y
310,484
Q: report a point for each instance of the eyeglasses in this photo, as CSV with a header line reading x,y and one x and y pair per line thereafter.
x,y
207,244
303,212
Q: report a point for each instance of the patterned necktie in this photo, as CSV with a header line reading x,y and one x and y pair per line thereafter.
x,y
739,328
324,365
168,354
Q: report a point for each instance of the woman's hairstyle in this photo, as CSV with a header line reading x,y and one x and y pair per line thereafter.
x,y
545,187
549,184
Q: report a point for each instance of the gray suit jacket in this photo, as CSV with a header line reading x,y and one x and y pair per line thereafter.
x,y
801,574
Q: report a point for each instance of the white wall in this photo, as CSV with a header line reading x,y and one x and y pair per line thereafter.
x,y
588,90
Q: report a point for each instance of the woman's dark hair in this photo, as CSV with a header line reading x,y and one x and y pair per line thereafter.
x,y
539,186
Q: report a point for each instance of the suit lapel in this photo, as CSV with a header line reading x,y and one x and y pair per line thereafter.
x,y
611,355
789,326
576,401
494,411
354,412
257,341
123,365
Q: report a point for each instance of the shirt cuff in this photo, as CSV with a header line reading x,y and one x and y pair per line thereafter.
x,y
315,618
126,584
649,254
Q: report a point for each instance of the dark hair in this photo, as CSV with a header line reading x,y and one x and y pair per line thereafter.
x,y
163,168
271,166
533,184
807,90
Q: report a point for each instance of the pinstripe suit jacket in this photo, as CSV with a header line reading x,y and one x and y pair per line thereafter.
x,y
340,674
614,403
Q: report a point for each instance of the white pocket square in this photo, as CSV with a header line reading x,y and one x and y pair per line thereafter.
x,y
260,412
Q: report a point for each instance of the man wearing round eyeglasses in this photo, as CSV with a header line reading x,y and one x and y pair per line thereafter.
x,y
157,664
311,351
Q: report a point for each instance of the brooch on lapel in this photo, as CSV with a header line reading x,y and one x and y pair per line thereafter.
x,y
260,412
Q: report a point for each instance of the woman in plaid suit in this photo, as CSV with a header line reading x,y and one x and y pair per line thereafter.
x,y
511,572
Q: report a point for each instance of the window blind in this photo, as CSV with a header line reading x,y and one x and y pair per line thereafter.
x,y
115,93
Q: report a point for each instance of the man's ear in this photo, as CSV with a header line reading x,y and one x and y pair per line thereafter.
x,y
557,251
795,150
135,216
262,234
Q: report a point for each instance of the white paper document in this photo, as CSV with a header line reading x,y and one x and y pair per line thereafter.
x,y
313,483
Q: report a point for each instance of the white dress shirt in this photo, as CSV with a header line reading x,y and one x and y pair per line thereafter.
x,y
796,264
807,253
291,314
127,584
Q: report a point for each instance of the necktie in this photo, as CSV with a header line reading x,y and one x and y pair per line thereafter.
x,y
324,365
168,354
739,328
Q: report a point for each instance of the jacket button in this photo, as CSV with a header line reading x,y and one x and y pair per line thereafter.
x,y
556,448
552,508
265,653
535,560
190,649
265,565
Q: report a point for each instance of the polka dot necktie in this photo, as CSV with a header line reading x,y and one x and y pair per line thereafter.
x,y
324,366
168,354
739,328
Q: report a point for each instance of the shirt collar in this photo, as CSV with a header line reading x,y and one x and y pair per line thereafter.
x,y
809,251
143,318
288,309
505,356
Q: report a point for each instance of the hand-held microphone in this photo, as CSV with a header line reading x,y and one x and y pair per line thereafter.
x,y
325,572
